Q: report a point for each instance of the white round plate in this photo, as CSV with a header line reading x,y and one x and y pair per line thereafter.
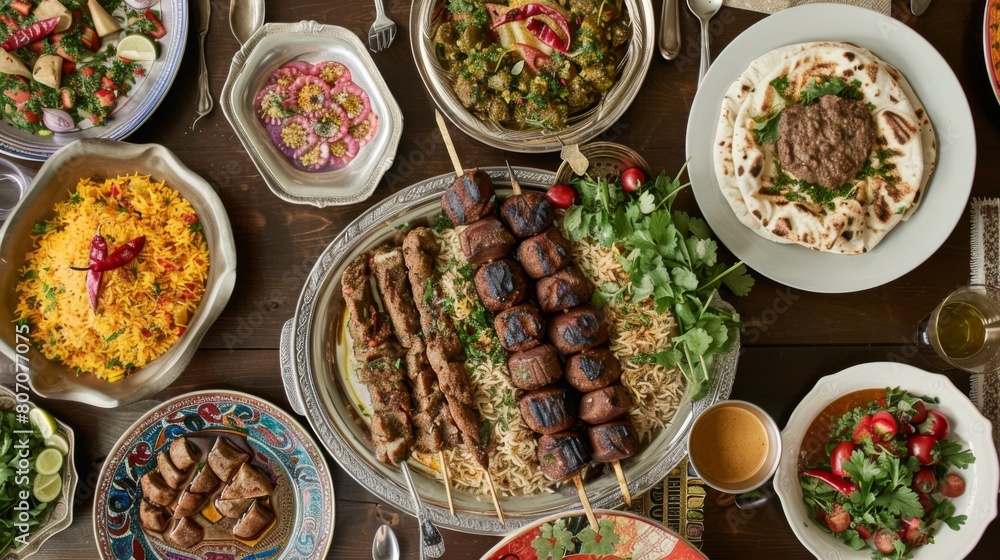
x,y
911,242
968,427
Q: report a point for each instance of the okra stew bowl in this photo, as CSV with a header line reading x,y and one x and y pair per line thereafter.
x,y
101,159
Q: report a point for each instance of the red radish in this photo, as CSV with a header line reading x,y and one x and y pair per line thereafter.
x,y
884,426
924,448
632,179
918,414
952,486
925,503
863,430
863,532
885,541
924,481
935,426
838,520
912,533
561,196
842,452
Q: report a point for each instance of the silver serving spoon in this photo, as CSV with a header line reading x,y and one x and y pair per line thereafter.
x,y
704,10
385,546
245,18
431,541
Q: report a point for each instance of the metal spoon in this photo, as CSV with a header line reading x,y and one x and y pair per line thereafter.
x,y
704,10
431,541
385,546
245,18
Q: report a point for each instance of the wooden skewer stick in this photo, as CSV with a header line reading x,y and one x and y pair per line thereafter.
x,y
586,502
493,494
626,495
447,481
448,144
514,185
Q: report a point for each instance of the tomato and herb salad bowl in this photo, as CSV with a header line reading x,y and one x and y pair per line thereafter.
x,y
101,159
885,460
64,80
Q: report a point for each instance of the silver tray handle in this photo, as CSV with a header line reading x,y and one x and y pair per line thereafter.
x,y
288,378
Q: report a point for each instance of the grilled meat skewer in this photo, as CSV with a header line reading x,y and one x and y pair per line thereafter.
x,y
470,198
390,426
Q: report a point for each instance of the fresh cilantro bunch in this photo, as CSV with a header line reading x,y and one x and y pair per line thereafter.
x,y
671,260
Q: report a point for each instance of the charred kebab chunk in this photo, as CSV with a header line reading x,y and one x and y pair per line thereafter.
x,y
548,410
527,214
545,253
432,423
501,284
593,369
390,426
534,368
578,329
562,455
486,240
443,348
470,198
519,328
613,441
605,405
563,290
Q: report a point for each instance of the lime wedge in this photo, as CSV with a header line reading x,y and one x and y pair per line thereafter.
x,y
47,487
49,461
137,48
44,421
58,442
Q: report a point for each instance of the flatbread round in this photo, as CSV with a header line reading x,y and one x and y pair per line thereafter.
x,y
849,224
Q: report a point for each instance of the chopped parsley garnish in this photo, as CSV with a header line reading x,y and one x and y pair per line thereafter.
x,y
829,86
40,228
441,222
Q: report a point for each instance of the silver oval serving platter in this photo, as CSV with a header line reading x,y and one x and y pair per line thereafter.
x,y
314,377
276,44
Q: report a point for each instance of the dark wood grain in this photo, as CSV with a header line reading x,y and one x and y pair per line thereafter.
x,y
792,339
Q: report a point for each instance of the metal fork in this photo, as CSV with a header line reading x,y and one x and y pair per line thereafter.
x,y
383,31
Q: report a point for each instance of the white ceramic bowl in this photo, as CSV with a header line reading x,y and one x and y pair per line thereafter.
x,y
968,427
59,175
60,515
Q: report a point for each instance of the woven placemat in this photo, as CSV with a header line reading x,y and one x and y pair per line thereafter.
x,y
985,393
771,6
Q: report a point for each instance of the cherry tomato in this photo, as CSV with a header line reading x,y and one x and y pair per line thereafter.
x,y
912,533
838,520
632,179
952,486
922,447
885,541
863,430
924,481
863,532
840,454
884,426
561,196
935,426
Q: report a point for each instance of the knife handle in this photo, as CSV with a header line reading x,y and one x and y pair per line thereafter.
x,y
670,30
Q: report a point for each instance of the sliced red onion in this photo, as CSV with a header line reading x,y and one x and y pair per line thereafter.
x,y
58,120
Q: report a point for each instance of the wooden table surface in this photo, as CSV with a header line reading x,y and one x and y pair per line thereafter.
x,y
792,338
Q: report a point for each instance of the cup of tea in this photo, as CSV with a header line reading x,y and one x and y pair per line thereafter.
x,y
964,329
734,446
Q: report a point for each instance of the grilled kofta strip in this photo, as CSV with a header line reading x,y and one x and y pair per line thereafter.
x,y
391,431
444,349
431,420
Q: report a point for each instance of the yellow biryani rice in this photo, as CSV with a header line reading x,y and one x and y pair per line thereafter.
x,y
634,328
144,306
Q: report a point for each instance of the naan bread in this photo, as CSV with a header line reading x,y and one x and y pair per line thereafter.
x,y
847,225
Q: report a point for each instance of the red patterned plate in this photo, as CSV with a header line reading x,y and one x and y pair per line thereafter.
x,y
620,536
991,44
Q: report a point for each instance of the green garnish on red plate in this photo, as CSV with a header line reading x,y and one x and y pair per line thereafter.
x,y
671,258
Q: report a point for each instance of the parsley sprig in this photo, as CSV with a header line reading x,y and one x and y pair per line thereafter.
x,y
671,260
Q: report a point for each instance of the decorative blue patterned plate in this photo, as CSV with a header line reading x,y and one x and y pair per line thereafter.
x,y
303,497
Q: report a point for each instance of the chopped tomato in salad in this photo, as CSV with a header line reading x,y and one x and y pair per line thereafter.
x,y
61,55
885,480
